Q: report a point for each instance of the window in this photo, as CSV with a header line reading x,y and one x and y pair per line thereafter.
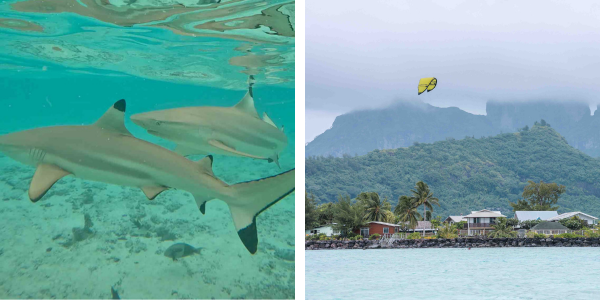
x,y
364,232
386,230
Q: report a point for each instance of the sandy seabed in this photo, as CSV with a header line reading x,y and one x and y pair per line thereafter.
x,y
46,251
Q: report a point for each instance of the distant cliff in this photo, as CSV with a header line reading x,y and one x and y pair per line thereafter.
x,y
403,124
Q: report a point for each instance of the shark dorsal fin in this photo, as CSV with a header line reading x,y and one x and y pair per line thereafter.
x,y
205,165
268,120
114,118
247,104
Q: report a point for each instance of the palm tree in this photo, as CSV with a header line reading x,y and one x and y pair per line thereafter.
x,y
423,196
502,230
448,231
375,209
407,211
348,216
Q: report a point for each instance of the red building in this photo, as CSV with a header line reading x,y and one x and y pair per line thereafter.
x,y
384,229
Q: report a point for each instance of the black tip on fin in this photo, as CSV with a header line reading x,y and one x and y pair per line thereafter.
x,y
203,208
120,105
249,237
211,159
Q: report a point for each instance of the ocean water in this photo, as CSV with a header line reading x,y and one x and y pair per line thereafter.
x,y
493,273
65,63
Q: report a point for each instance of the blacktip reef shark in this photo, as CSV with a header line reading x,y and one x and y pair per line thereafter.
x,y
233,131
107,152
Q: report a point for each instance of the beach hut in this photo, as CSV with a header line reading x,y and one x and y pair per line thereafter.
x,y
326,229
591,220
547,227
382,228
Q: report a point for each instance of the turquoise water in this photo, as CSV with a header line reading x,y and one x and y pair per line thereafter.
x,y
66,63
500,273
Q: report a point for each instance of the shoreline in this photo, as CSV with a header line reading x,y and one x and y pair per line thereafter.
x,y
454,243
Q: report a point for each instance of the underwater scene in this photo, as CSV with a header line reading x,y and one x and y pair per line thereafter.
x,y
147,149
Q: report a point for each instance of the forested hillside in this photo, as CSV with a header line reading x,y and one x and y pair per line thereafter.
x,y
466,175
405,123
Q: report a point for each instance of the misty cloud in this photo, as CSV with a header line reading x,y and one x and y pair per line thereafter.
x,y
360,55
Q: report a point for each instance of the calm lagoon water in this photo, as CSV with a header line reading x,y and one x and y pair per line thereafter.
x,y
65,63
502,273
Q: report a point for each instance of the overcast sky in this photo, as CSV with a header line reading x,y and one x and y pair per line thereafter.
x,y
365,55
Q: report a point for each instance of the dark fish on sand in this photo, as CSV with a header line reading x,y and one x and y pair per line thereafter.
x,y
180,250
114,293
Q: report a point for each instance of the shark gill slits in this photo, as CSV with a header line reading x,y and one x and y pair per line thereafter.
x,y
37,155
120,105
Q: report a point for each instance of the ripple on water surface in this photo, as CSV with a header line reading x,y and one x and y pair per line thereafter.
x,y
501,273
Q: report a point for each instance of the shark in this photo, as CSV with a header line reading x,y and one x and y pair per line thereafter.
x,y
106,151
233,131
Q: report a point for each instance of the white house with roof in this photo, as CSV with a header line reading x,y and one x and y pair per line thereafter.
x,y
589,219
480,222
326,229
527,215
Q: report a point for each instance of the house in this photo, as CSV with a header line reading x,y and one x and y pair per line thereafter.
x,y
589,219
547,227
480,222
454,219
326,229
423,226
382,228
526,215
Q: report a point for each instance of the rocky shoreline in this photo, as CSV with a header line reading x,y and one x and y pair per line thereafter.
x,y
454,243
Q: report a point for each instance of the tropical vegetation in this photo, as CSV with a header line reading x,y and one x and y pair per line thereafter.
x,y
488,172
502,230
539,196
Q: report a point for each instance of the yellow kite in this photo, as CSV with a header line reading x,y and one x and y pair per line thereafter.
x,y
428,84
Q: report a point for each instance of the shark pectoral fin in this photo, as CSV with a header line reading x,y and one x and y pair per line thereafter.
x,y
201,202
185,151
275,159
45,177
152,191
247,104
222,146
114,118
268,120
254,198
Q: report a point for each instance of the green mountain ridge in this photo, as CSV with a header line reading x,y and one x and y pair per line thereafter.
x,y
466,175
403,123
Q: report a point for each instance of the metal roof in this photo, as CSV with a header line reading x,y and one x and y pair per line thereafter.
x,y
484,213
545,225
523,215
384,223
570,215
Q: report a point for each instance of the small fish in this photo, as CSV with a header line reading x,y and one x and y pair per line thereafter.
x,y
180,250
114,293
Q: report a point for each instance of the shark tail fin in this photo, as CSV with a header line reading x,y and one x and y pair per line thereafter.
x,y
254,197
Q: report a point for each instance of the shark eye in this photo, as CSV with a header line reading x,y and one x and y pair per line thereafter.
x,y
158,123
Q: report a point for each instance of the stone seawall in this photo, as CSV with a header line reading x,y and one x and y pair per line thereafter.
x,y
454,243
